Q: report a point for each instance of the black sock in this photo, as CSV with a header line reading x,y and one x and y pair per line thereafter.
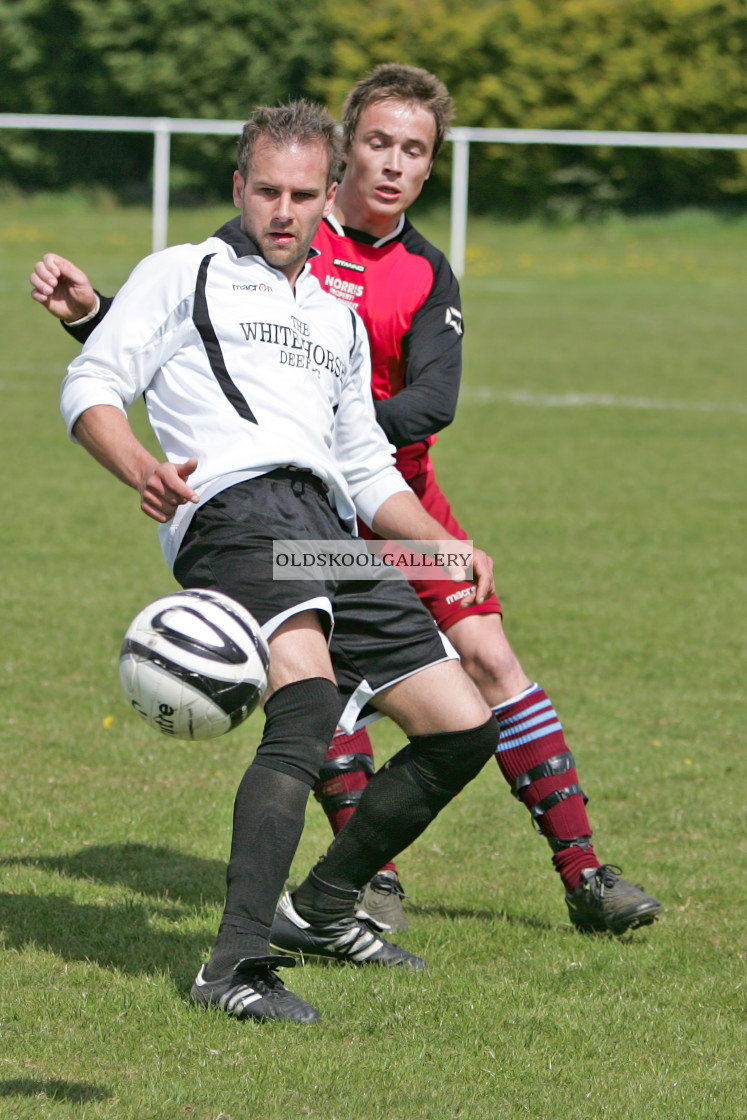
x,y
320,903
397,805
393,812
268,816
268,821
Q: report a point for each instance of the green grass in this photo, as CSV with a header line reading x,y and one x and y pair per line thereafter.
x,y
619,537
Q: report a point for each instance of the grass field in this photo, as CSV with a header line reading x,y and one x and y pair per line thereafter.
x,y
600,455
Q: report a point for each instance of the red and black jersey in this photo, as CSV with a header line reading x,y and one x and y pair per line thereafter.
x,y
408,297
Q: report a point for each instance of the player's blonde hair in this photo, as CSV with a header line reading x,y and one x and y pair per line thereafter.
x,y
393,81
299,122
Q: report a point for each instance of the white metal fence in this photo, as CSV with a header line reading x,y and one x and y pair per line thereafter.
x,y
163,128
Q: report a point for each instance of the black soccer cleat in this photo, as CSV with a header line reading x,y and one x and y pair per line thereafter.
x,y
605,902
253,991
381,899
353,939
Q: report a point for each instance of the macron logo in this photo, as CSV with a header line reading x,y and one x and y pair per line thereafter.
x,y
459,595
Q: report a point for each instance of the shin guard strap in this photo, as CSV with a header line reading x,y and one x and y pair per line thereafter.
x,y
550,768
558,845
346,764
332,803
555,798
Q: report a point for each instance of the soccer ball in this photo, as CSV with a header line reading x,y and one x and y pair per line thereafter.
x,y
194,664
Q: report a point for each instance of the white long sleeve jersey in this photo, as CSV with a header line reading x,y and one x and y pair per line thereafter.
x,y
241,373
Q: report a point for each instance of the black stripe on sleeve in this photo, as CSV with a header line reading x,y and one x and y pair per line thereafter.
x,y
201,319
355,329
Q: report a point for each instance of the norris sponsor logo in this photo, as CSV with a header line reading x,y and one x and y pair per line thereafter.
x,y
340,263
343,289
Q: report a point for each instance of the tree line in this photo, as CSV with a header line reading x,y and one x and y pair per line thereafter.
x,y
650,65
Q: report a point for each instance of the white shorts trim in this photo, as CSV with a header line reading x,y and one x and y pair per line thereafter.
x,y
350,721
320,603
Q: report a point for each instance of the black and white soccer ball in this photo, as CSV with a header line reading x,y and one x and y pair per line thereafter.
x,y
194,664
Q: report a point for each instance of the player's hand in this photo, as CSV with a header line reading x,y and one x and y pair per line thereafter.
x,y
165,488
63,288
482,571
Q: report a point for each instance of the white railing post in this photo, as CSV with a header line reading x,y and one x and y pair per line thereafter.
x,y
161,159
459,196
162,127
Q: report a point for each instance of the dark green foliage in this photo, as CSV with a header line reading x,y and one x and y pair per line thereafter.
x,y
629,65
649,65
211,59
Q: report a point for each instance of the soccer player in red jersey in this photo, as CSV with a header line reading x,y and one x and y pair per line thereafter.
x,y
370,256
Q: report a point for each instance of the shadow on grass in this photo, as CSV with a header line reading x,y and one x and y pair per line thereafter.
x,y
628,937
156,871
120,937
78,1092
480,915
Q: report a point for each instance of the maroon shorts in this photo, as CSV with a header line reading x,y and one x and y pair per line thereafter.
x,y
443,599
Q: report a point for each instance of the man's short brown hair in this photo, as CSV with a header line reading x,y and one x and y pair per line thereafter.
x,y
393,81
298,122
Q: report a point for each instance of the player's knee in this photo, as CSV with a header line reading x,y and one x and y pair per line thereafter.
x,y
494,667
300,720
447,761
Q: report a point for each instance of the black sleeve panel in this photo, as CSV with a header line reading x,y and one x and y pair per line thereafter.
x,y
82,332
432,351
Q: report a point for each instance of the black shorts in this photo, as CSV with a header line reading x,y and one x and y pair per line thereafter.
x,y
378,631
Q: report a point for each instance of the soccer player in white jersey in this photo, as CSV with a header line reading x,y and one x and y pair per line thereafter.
x,y
258,389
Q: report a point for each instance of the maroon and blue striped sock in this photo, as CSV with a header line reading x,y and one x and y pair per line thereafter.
x,y
534,758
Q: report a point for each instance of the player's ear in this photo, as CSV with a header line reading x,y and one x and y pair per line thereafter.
x,y
238,189
330,199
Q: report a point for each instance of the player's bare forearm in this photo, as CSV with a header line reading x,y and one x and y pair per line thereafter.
x,y
402,517
106,434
